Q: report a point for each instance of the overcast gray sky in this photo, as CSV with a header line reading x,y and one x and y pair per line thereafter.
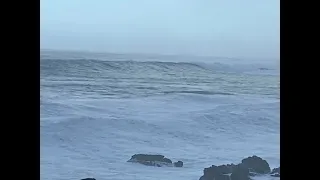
x,y
229,28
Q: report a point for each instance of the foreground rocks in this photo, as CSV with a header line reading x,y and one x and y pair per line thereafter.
x,y
154,160
275,172
226,172
240,172
256,165
248,167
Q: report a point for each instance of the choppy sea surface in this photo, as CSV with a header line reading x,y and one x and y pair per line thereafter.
x,y
97,110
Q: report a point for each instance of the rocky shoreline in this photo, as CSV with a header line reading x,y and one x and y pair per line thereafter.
x,y
248,168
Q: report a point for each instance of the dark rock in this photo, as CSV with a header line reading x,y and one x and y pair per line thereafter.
x,y
217,172
148,157
223,177
228,168
276,170
222,169
217,177
256,164
88,179
166,160
151,160
222,172
275,175
178,164
240,172
149,163
248,167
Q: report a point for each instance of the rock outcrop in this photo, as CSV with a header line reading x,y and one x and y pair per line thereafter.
x,y
275,172
243,171
225,172
178,164
240,172
154,160
256,164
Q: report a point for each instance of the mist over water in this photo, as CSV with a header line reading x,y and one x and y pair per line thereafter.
x,y
226,28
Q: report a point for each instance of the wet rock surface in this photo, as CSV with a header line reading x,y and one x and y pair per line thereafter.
x,y
249,167
275,172
154,160
256,164
178,164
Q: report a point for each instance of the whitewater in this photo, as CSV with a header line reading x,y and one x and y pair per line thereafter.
x,y
97,110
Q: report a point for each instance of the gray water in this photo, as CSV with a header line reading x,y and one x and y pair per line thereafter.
x,y
99,109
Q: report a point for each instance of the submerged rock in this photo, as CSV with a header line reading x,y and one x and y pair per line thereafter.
x,y
153,160
256,164
178,164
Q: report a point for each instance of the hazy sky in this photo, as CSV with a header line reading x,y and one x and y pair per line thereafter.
x,y
230,28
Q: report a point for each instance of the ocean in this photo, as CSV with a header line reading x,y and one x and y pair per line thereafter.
x,y
98,109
